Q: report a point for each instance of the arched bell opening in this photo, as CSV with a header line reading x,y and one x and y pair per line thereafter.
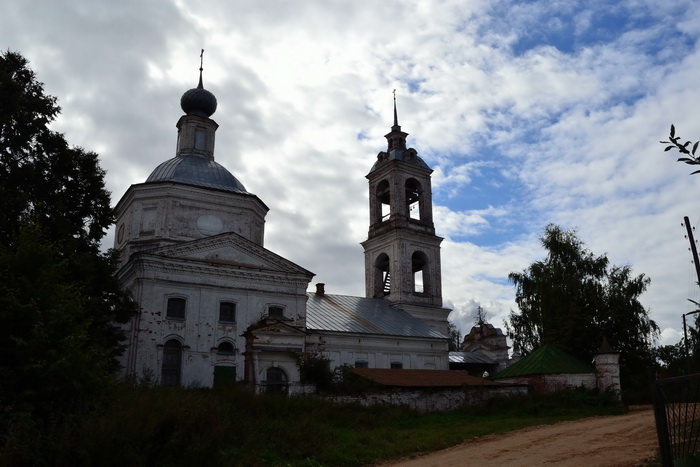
x,y
414,199
382,201
421,273
382,276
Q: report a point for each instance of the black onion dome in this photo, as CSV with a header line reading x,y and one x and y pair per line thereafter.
x,y
198,101
197,171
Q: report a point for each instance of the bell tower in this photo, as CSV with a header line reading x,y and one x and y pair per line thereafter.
x,y
402,252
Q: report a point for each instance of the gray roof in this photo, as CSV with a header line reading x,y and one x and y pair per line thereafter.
x,y
471,357
343,313
405,155
198,171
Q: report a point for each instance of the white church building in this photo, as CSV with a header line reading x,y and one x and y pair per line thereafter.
x,y
216,306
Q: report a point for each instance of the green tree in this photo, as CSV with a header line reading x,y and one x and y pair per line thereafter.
x,y
573,298
670,360
455,334
692,363
60,302
675,142
480,318
315,368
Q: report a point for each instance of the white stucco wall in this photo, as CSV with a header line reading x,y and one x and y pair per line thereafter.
x,y
608,370
551,383
200,333
430,400
380,351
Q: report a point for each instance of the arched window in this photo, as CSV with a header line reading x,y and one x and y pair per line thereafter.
x,y
172,363
276,381
414,199
226,348
176,308
421,273
382,277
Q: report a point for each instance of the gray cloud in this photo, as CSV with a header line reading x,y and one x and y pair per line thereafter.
x,y
566,111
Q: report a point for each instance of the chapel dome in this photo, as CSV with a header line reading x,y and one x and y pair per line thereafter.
x,y
198,101
198,171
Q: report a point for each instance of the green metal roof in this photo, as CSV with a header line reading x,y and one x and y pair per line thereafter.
x,y
547,360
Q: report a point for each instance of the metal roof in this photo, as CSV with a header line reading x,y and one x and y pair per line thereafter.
x,y
398,155
343,313
196,170
547,360
471,357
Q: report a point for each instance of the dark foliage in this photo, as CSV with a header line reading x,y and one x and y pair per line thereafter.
x,y
693,332
677,359
539,404
315,369
670,360
675,142
455,337
59,298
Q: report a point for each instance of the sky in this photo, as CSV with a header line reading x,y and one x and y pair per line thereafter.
x,y
529,113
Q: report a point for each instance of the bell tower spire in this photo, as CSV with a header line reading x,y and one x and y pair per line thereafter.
x,y
402,252
396,138
396,117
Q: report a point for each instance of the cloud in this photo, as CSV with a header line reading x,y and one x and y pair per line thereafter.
x,y
529,113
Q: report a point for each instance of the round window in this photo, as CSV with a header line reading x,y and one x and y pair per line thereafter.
x,y
208,224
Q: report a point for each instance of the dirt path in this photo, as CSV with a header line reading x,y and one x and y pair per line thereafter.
x,y
620,441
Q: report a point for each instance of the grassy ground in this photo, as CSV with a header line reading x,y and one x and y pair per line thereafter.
x,y
198,427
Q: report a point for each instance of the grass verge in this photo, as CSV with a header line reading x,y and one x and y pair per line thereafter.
x,y
142,426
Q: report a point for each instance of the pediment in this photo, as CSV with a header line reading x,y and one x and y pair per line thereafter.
x,y
233,250
276,328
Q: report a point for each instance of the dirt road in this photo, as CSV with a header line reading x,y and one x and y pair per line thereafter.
x,y
620,441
